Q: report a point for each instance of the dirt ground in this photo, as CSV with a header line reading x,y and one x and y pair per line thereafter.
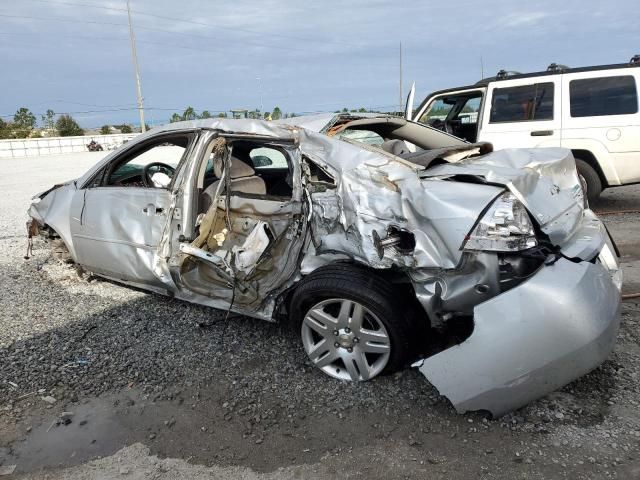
x,y
101,381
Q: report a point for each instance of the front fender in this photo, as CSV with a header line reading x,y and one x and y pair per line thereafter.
x,y
54,209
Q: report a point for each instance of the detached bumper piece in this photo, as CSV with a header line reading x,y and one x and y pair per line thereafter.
x,y
531,340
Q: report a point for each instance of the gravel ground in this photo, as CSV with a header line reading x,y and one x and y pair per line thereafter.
x,y
238,398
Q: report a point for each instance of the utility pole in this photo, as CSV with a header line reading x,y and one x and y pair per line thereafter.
x,y
134,55
260,90
400,109
481,68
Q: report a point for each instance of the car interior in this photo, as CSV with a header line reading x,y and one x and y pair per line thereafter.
x,y
456,114
397,136
150,166
256,170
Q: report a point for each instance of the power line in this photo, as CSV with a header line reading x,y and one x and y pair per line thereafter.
x,y
75,4
49,102
205,24
83,112
142,27
179,109
111,110
145,42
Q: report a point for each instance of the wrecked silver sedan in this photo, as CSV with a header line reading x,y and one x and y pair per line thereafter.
x,y
371,235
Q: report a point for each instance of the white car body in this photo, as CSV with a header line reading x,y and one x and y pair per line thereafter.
x,y
592,111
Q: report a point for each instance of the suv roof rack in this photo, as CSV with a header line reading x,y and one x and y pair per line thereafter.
x,y
557,67
502,74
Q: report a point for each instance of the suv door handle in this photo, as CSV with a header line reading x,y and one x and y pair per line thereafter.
x,y
542,133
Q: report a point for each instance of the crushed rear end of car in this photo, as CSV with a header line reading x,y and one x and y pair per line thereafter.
x,y
551,325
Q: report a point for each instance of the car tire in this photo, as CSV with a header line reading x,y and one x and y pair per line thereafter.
x,y
334,288
591,178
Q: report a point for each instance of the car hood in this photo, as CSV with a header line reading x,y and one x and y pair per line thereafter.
x,y
545,180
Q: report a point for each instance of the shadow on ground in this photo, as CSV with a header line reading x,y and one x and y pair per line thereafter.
x,y
236,393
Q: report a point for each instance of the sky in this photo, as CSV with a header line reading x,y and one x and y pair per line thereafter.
x,y
74,56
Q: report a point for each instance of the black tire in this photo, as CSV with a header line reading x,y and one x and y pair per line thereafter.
x,y
346,281
591,178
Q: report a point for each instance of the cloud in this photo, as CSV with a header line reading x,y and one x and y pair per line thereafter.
x,y
309,55
523,19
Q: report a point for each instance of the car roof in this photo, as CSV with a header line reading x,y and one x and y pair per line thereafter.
x,y
553,69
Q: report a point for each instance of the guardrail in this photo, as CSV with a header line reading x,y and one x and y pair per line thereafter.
x,y
29,147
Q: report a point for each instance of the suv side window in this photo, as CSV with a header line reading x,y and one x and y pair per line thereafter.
x,y
593,97
437,112
522,103
469,113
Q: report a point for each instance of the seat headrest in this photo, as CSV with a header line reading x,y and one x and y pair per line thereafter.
x,y
239,169
395,147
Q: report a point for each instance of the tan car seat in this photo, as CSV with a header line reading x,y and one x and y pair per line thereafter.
x,y
243,180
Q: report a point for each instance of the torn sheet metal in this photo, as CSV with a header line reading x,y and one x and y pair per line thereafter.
x,y
545,180
377,190
247,255
521,349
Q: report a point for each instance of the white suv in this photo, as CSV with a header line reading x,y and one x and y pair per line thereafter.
x,y
593,111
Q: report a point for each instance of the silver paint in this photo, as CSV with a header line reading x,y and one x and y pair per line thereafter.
x,y
531,340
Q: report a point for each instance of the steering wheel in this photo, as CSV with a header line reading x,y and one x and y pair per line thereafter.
x,y
147,172
453,126
442,125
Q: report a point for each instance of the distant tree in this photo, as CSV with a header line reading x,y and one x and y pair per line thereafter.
x,y
126,129
222,115
276,114
36,134
49,121
345,110
267,116
189,114
362,110
105,130
68,127
23,118
5,131
18,132
23,122
205,114
176,117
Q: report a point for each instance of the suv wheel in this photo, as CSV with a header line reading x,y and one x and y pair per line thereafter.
x,y
350,326
591,178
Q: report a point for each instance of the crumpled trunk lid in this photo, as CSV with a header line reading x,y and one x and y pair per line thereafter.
x,y
545,180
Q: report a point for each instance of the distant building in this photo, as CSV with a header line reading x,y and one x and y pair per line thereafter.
x,y
240,113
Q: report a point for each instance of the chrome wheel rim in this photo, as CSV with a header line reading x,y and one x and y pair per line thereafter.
x,y
345,339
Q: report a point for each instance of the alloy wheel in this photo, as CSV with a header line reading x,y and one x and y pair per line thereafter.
x,y
345,339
